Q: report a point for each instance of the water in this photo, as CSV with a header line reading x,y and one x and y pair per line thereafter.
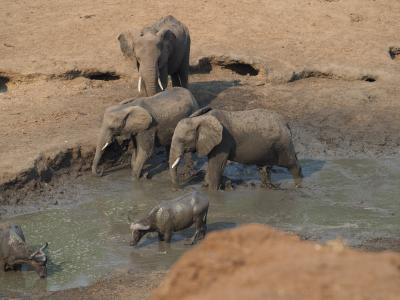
x,y
356,200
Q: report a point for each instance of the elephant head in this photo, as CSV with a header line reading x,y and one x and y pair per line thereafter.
x,y
195,134
120,121
150,51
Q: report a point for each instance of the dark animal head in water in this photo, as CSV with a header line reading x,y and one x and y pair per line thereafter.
x,y
14,251
138,231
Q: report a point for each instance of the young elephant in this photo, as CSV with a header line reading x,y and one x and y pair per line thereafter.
x,y
171,216
258,137
145,120
14,251
157,51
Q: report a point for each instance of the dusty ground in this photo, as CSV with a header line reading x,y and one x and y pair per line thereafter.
x,y
331,67
257,262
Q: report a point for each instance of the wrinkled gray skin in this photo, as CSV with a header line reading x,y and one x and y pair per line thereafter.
x,y
254,137
14,251
145,121
174,215
157,51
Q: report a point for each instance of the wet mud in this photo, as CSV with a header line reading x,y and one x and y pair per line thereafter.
x,y
351,199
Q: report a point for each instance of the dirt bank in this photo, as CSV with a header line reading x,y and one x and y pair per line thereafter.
x,y
257,262
329,66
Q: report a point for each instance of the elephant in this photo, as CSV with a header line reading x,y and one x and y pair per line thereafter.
x,y
145,121
14,251
253,137
171,216
157,51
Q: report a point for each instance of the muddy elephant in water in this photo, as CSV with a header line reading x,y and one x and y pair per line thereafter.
x,y
257,137
145,121
159,50
171,216
14,251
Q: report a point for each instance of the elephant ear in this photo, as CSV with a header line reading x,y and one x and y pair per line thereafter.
x,y
137,119
126,43
209,135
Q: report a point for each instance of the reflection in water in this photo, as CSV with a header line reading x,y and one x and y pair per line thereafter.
x,y
353,199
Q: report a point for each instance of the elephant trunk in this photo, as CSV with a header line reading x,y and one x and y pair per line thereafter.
x,y
175,156
151,80
105,139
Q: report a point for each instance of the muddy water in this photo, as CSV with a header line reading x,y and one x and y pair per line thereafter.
x,y
356,200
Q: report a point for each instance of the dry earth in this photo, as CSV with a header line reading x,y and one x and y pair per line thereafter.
x,y
330,66
257,262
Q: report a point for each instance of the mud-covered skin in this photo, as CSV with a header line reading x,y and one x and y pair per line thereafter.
x,y
14,251
174,215
255,137
145,121
157,51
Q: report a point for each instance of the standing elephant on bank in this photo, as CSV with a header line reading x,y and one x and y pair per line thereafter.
x,y
159,50
255,137
145,121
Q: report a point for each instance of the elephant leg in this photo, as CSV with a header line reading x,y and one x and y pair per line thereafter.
x,y
265,174
145,147
168,235
201,229
160,237
167,151
183,73
184,68
134,152
175,80
215,169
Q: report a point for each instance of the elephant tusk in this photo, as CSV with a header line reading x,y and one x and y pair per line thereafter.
x,y
139,83
105,146
160,84
176,162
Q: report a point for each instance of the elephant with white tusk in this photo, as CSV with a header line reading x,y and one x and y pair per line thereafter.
x,y
255,137
144,121
157,51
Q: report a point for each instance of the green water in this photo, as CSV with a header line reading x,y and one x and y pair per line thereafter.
x,y
353,199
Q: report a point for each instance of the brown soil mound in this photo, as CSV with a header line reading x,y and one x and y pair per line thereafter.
x,y
256,262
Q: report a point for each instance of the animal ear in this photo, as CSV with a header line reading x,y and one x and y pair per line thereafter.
x,y
126,43
209,135
137,119
167,35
